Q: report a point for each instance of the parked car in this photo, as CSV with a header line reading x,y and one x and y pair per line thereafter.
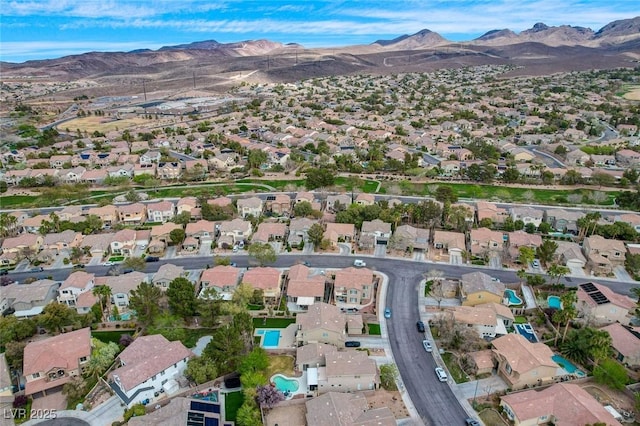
x,y
471,422
427,345
127,270
442,375
305,263
108,263
4,272
359,263
152,259
387,313
37,269
535,263
78,266
352,344
420,326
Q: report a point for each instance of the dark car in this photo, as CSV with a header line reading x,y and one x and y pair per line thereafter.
x,y
4,272
78,266
471,422
127,270
37,269
152,259
420,326
352,344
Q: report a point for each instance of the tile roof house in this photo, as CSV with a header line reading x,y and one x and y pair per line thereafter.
x,y
570,254
147,366
121,286
186,204
562,404
487,210
28,300
202,230
279,204
338,409
625,342
222,278
76,284
249,207
527,215
107,214
353,287
179,408
519,239
449,243
482,320
340,232
161,212
169,170
161,236
167,273
563,220
374,232
485,242
308,197
603,254
234,231
477,288
298,230
270,231
522,363
22,243
34,223
65,240
349,371
99,244
599,305
132,214
50,363
123,242
343,200
322,323
267,279
312,355
304,289
409,238
365,199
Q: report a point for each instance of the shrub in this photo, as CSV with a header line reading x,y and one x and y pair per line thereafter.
x,y
135,411
20,401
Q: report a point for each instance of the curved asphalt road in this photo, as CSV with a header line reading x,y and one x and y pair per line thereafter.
x,y
435,402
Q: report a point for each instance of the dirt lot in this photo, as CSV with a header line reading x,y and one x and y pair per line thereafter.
x,y
393,400
101,124
633,95
618,400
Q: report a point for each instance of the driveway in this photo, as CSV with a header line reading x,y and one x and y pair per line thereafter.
x,y
455,259
482,387
622,274
109,411
576,271
345,249
380,250
495,262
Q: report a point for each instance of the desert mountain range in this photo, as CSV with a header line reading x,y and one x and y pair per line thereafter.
x,y
540,49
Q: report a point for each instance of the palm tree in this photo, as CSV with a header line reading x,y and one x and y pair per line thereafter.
x,y
7,224
568,300
103,292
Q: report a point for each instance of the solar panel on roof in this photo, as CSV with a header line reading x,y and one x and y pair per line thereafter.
x,y
205,407
211,421
588,287
599,298
195,419
271,197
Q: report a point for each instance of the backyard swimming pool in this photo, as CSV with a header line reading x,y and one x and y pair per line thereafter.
x,y
514,300
527,332
284,384
123,317
567,365
554,302
270,338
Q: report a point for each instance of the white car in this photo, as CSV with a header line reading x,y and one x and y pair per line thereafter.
x,y
359,262
442,375
427,345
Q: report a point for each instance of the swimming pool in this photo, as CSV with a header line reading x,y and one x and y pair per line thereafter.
x,y
126,316
284,384
206,396
270,338
512,297
554,302
567,365
527,332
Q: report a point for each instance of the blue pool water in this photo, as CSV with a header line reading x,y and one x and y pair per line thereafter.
x,y
123,317
512,297
285,385
567,365
527,332
206,396
271,338
554,302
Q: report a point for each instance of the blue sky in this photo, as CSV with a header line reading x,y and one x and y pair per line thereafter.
x,y
42,29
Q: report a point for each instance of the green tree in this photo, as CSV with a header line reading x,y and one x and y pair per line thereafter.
x,y
209,307
319,178
632,265
177,236
511,175
225,349
145,301
256,361
388,376
182,298
303,209
103,292
316,234
446,195
263,253
249,415
546,251
242,294
256,158
135,263
526,255
182,218
200,371
557,272
611,373
56,316
530,228
12,329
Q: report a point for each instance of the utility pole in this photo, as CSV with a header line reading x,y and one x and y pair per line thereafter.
x,y
144,89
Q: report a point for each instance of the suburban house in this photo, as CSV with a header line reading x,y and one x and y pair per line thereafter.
x,y
304,289
365,199
270,231
28,300
521,238
99,244
374,232
161,236
503,314
161,212
75,289
107,214
34,223
312,355
121,286
485,242
565,221
123,242
603,255
562,404
22,244
308,197
223,279
202,230
205,412
522,363
186,204
477,288
482,320
599,305
335,408
278,204
570,254
298,230
340,233
149,365
527,215
65,240
132,214
169,170
346,371
450,244
167,273
487,210
353,287
249,207
50,363
337,202
625,342
267,279
409,238
233,231
322,323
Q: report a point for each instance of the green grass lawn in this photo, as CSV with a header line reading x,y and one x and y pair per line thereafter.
x,y
110,336
520,320
14,201
272,322
193,334
374,329
456,372
232,403
116,258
